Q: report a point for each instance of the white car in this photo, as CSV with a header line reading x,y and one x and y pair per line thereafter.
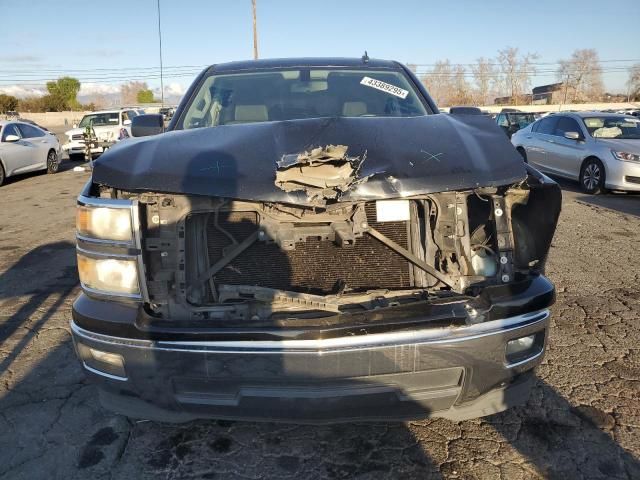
x,y
108,125
600,150
27,148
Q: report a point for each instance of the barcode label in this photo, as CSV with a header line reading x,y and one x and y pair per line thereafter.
x,y
384,87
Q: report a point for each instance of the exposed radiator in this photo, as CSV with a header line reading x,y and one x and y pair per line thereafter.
x,y
315,266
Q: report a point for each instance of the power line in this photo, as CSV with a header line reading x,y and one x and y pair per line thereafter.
x,y
121,74
175,73
40,81
530,63
202,66
100,69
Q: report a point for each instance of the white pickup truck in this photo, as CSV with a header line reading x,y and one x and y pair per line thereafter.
x,y
108,125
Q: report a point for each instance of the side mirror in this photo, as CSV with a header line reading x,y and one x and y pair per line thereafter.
x,y
126,123
11,138
146,125
75,125
572,136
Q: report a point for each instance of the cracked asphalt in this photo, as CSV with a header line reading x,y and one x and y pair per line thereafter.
x,y
582,420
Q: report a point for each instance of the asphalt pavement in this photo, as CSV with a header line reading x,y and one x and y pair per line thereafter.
x,y
582,420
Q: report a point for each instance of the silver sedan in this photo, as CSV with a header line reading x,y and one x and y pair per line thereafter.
x,y
600,150
27,148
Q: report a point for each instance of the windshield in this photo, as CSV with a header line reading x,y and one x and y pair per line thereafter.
x,y
98,119
521,119
619,127
301,93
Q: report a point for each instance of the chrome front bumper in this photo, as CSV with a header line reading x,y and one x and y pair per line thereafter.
x,y
621,175
455,372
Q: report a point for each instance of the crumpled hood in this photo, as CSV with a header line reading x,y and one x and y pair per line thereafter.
x,y
401,157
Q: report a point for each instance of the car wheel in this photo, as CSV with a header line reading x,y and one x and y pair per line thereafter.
x,y
523,153
2,176
52,162
592,176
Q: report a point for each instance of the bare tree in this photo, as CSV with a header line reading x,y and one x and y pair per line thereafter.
x,y
484,73
516,71
633,83
129,91
99,100
439,82
461,94
583,76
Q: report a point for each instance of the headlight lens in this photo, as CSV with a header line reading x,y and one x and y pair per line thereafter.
x,y
629,157
104,223
109,275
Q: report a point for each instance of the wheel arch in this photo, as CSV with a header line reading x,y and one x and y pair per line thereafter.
x,y
593,157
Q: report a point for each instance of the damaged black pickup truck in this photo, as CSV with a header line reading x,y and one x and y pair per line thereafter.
x,y
311,241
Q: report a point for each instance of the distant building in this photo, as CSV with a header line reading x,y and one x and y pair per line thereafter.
x,y
542,95
509,100
548,94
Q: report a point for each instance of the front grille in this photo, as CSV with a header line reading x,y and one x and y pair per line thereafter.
x,y
77,137
315,266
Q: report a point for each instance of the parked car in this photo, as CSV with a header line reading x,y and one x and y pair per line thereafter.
x,y
31,122
511,121
167,112
26,148
600,150
310,242
108,125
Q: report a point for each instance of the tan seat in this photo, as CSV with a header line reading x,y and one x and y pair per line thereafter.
x,y
251,113
354,109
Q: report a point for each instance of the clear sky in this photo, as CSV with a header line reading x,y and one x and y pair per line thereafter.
x,y
44,38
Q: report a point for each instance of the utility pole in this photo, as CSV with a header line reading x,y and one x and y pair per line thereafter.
x,y
566,86
255,31
160,42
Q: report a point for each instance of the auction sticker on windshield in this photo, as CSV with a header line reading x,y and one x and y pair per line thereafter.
x,y
384,87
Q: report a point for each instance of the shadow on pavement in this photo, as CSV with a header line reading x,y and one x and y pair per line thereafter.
x,y
49,409
622,202
65,164
51,406
40,281
564,441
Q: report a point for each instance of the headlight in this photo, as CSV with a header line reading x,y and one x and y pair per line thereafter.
x,y
104,223
109,275
626,156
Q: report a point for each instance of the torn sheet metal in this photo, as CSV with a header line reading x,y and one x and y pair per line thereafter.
x,y
323,173
404,156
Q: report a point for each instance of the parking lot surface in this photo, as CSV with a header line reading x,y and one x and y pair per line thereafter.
x,y
582,421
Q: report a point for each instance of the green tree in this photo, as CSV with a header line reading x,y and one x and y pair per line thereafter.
x,y
145,96
7,103
63,93
54,103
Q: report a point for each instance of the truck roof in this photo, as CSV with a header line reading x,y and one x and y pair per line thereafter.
x,y
276,63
